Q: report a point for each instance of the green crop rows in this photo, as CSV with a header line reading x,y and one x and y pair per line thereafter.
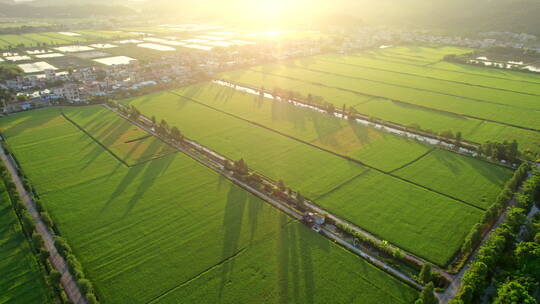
x,y
436,97
21,280
125,140
171,230
317,173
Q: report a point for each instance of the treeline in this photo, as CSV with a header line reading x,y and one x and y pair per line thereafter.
x,y
53,277
63,11
507,151
56,293
454,137
477,278
9,71
472,240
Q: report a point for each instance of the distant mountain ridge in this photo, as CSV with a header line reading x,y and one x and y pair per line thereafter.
x,y
35,10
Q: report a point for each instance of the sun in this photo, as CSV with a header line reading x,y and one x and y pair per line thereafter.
x,y
271,8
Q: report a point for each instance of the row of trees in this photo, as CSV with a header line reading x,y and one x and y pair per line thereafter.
x,y
477,277
492,214
35,239
53,276
162,128
507,151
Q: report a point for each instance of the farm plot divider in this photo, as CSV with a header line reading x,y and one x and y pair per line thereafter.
x,y
460,146
287,200
65,275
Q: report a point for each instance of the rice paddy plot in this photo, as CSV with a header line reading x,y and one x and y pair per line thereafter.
x,y
132,51
500,74
422,222
497,112
466,178
298,165
326,178
300,88
473,130
22,280
471,93
172,229
366,61
68,62
373,147
125,140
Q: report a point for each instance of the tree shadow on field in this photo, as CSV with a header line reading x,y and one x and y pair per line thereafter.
x,y
153,170
35,119
361,132
150,170
232,229
108,138
295,247
453,162
191,92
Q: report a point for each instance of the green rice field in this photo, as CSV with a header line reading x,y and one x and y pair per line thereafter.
x,y
302,167
22,280
520,116
375,148
150,224
55,38
171,230
481,103
123,139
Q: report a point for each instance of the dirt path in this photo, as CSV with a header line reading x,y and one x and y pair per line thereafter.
x,y
57,261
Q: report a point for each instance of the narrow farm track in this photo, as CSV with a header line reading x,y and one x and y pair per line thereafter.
x,y
415,88
402,102
280,206
331,152
461,72
455,283
427,77
57,261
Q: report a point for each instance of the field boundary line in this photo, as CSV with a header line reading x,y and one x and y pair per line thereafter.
x,y
414,88
388,124
427,77
329,151
403,102
95,140
280,206
341,185
414,160
57,261
198,275
466,73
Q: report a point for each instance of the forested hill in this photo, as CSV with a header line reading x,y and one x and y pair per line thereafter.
x,y
32,10
477,15
466,15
